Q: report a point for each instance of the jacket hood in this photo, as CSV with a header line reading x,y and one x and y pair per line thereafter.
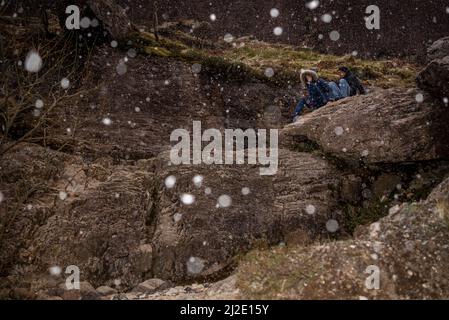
x,y
305,73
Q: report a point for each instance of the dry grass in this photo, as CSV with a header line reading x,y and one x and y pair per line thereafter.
x,y
290,60
253,57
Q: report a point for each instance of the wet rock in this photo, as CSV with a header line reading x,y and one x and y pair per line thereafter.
x,y
96,222
435,78
438,50
386,126
201,239
106,291
385,184
85,292
151,286
113,16
407,250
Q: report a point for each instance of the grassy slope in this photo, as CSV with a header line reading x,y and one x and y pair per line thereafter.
x,y
247,59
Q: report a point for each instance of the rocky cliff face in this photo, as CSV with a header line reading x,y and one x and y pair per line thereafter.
x,y
407,27
352,188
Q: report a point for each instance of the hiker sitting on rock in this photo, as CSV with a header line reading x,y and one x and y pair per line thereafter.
x,y
315,97
349,84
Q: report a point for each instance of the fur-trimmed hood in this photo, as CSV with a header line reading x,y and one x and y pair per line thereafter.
x,y
305,73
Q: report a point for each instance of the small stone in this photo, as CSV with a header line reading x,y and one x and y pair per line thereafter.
x,y
106,291
150,286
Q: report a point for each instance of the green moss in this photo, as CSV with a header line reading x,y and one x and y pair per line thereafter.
x,y
355,216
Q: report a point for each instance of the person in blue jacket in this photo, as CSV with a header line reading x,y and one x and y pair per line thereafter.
x,y
349,83
317,92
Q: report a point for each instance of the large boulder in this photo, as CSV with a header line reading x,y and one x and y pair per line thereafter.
x,y
91,215
385,126
438,50
236,209
408,250
434,78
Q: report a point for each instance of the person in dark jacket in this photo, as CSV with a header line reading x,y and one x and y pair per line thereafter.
x,y
315,97
354,83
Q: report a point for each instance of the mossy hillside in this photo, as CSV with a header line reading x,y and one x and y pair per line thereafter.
x,y
247,60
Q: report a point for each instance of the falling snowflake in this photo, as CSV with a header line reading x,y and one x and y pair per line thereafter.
x,y
310,209
170,182
187,199
365,153
339,131
39,104
106,121
334,35
62,195
213,17
224,201
85,23
33,62
419,97
2,197
278,31
132,53
195,265
228,38
196,68
313,4
65,83
177,217
246,191
445,100
332,225
114,44
274,13
121,68
198,180
208,191
117,282
55,270
269,72
326,18
354,53
94,23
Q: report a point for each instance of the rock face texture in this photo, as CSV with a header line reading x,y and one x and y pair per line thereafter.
x,y
138,104
383,126
113,17
120,222
435,76
407,250
92,216
438,50
105,204
296,202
